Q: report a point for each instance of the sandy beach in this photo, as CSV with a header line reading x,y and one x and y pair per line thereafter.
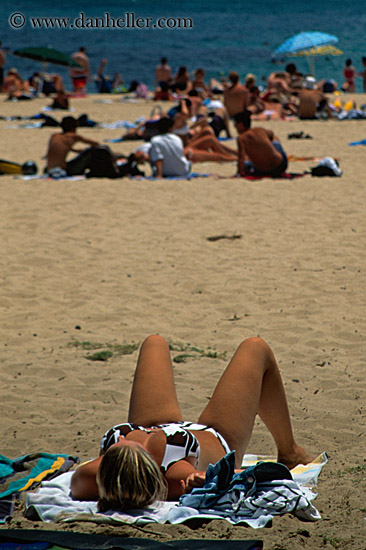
x,y
91,265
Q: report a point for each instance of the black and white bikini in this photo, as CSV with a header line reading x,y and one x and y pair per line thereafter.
x,y
180,442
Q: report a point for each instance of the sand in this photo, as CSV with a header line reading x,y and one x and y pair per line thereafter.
x,y
109,262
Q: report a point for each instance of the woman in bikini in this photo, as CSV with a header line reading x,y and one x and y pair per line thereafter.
x,y
157,456
349,74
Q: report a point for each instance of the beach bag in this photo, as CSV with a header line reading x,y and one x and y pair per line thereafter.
x,y
102,164
152,126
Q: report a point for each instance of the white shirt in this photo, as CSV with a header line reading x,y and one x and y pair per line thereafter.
x,y
169,149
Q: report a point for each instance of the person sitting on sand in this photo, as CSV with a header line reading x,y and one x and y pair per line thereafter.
x,y
182,82
294,76
61,144
199,85
15,86
60,101
260,152
311,100
162,92
166,153
236,95
94,161
155,455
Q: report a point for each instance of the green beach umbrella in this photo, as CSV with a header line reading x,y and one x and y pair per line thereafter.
x,y
47,55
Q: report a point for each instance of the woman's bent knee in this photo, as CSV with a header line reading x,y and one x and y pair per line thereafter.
x,y
154,340
255,342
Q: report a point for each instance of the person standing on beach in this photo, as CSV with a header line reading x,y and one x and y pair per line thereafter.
x,y
163,73
236,96
363,74
80,75
2,65
349,74
260,152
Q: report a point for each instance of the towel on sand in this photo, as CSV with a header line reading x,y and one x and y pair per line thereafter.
x,y
52,502
27,472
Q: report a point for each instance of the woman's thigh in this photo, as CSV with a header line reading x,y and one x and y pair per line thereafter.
x,y
234,404
153,395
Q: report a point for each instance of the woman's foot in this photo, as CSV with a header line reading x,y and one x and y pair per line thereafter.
x,y
298,456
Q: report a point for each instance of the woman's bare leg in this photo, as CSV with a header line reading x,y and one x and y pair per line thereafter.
x,y
197,155
252,384
206,142
153,397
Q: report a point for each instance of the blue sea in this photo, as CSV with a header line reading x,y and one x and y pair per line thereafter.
x,y
221,35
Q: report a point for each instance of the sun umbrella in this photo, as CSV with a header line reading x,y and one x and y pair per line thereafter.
x,y
304,41
47,55
310,44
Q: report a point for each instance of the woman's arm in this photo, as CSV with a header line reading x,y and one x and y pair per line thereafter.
x,y
181,478
84,481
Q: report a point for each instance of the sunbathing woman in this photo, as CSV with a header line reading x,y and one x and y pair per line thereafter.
x,y
203,146
157,456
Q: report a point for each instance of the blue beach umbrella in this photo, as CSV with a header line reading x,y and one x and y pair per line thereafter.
x,y
304,41
307,42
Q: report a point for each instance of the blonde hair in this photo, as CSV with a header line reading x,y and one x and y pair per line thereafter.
x,y
128,477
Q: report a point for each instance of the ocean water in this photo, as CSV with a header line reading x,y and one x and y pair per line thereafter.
x,y
225,35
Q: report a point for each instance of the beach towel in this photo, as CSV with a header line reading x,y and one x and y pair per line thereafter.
x,y
284,176
26,472
361,142
48,177
52,502
193,175
37,539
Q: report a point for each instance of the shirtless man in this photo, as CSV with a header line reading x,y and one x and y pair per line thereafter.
x,y
80,75
260,152
236,96
163,73
61,144
311,100
2,65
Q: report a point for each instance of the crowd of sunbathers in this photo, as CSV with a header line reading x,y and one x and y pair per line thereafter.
x,y
192,130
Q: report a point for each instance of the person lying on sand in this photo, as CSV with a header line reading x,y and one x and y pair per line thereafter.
x,y
203,145
158,456
264,110
259,151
